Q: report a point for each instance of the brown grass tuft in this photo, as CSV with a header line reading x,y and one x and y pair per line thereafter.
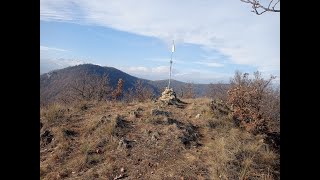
x,y
109,140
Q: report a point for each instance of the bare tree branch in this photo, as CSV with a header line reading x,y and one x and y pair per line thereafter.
x,y
260,9
89,87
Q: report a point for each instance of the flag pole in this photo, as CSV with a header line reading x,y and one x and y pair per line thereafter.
x,y
172,50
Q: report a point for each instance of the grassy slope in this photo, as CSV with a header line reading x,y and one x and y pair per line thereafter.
x,y
109,140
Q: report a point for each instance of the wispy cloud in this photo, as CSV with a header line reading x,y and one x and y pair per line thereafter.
x,y
138,70
159,70
166,60
151,73
210,64
60,10
48,64
225,26
188,75
202,76
45,48
61,62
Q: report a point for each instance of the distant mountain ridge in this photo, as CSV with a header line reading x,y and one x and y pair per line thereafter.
x,y
56,81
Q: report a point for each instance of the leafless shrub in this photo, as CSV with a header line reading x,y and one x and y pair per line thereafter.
x,y
128,95
87,88
187,91
217,91
140,92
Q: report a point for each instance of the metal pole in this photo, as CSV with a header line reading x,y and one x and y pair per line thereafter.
x,y
170,70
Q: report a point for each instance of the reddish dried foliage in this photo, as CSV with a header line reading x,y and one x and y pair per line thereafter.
x,y
247,98
117,93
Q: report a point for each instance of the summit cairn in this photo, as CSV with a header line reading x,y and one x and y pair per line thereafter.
x,y
169,96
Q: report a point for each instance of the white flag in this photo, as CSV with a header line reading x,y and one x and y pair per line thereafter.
x,y
173,46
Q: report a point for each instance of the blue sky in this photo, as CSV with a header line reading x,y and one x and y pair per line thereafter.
x,y
213,38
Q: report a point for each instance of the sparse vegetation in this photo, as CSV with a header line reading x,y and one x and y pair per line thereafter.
x,y
53,112
117,139
135,138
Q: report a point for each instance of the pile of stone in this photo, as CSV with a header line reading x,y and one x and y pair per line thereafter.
x,y
169,96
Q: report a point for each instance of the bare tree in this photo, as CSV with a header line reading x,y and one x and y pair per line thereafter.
x,y
189,91
217,91
259,9
87,88
181,92
139,92
129,95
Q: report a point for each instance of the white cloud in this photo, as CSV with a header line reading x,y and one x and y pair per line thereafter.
x,y
226,26
160,70
59,10
181,74
137,70
210,64
47,64
202,76
270,68
188,75
151,73
166,60
45,48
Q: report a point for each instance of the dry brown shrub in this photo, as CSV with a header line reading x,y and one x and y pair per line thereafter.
x,y
250,100
117,93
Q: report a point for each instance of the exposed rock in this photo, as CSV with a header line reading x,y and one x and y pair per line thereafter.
x,y
124,144
67,132
122,170
273,139
176,122
46,137
136,113
215,123
105,119
139,109
121,176
191,136
121,123
121,127
155,136
102,143
41,125
198,116
218,106
156,112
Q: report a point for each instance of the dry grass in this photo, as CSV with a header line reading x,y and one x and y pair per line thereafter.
x,y
106,140
53,112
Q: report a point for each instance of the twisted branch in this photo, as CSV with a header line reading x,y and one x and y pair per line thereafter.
x,y
256,6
